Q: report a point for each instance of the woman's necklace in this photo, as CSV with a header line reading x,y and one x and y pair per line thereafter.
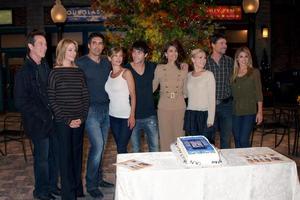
x,y
115,74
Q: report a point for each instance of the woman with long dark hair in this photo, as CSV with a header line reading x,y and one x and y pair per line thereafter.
x,y
171,106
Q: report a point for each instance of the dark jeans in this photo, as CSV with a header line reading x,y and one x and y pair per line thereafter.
x,y
70,157
97,126
121,133
46,165
150,127
208,133
223,121
242,127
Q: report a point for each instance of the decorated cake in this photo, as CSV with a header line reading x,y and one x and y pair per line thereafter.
x,y
198,150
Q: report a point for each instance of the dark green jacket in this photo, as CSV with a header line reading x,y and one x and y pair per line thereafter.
x,y
246,93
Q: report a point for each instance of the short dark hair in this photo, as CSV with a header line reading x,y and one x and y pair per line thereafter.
x,y
141,45
96,34
30,39
215,37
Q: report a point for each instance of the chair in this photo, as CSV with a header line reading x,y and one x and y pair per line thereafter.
x,y
297,131
13,131
276,121
1,152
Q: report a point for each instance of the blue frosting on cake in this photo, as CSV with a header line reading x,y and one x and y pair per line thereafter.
x,y
197,144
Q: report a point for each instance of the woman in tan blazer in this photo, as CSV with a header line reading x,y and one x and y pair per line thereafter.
x,y
171,106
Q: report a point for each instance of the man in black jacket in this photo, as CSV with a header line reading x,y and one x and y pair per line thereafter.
x,y
31,100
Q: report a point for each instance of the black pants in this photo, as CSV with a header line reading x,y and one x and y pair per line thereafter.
x,y
70,158
121,133
46,165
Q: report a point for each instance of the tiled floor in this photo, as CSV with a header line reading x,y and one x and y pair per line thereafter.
x,y
16,176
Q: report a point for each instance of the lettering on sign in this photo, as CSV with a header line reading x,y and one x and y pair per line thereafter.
x,y
224,12
84,14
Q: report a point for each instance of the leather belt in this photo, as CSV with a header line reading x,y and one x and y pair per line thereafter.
x,y
219,101
171,95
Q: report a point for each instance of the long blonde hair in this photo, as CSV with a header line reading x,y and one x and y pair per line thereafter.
x,y
62,48
236,64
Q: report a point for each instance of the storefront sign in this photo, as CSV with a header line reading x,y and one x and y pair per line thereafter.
x,y
84,14
225,12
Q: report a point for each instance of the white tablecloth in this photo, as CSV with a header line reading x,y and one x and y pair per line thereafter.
x,y
169,179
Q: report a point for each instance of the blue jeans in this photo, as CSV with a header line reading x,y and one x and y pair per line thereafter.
x,y
97,126
70,159
223,121
121,133
242,128
149,125
46,165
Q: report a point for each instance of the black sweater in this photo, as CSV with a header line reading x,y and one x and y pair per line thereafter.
x,y
31,100
68,94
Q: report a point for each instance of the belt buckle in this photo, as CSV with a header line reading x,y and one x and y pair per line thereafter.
x,y
172,95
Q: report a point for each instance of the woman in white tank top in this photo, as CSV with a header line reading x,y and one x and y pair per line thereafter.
x,y
121,91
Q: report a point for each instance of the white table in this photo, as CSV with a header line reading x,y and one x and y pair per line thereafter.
x,y
237,179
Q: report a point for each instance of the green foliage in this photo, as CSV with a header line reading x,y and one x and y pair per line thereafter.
x,y
157,22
